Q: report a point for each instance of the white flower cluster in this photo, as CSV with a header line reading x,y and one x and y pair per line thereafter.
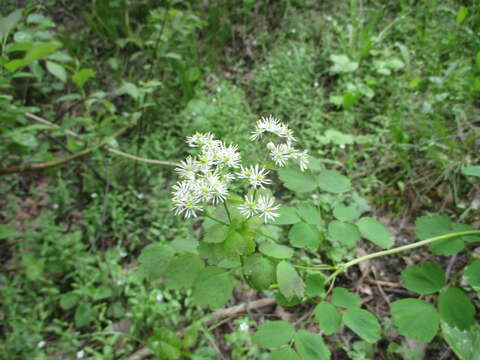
x,y
282,150
205,179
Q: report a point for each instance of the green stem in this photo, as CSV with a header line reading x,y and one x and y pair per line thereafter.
x,y
228,211
343,267
215,219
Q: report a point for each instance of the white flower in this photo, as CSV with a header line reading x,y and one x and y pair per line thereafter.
x,y
159,297
228,156
249,207
187,168
80,354
266,207
255,175
55,206
303,160
272,125
198,139
141,196
243,326
123,254
186,200
41,344
93,195
280,154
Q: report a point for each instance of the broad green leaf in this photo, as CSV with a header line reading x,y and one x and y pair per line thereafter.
x,y
183,270
346,213
273,334
342,64
376,232
68,300
472,273
289,282
217,233
462,14
212,287
102,292
345,233
84,314
426,278
437,225
130,89
283,353
9,22
332,181
465,344
363,323
82,76
328,317
288,216
57,70
165,344
259,271
310,214
154,260
415,319
472,170
275,250
304,235
456,309
36,52
310,346
282,301
314,285
296,180
344,298
236,244
7,231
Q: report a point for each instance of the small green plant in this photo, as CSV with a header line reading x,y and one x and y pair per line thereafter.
x,y
242,238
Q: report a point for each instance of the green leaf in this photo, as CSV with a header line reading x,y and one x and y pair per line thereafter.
x,y
426,278
165,344
275,250
466,238
82,76
84,314
376,232
465,344
273,334
236,244
288,216
212,287
461,14
432,226
472,273
314,285
345,233
304,235
415,319
344,298
217,233
36,52
57,70
7,231
283,353
346,213
130,89
183,270
259,271
362,323
289,282
456,309
310,214
472,170
328,317
68,300
154,260
310,346
9,22
334,182
342,64
296,180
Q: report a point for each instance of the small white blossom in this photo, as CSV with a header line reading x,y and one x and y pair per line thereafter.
x,y
123,254
188,168
280,154
256,176
141,196
228,156
198,139
303,160
120,282
93,195
159,297
249,207
80,354
244,327
55,206
41,344
266,207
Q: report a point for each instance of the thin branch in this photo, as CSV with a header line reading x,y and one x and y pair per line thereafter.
x,y
133,157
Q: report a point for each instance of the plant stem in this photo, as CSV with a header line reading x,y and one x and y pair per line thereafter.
x,y
343,267
215,219
228,211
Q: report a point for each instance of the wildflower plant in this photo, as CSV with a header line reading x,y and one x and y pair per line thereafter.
x,y
242,239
